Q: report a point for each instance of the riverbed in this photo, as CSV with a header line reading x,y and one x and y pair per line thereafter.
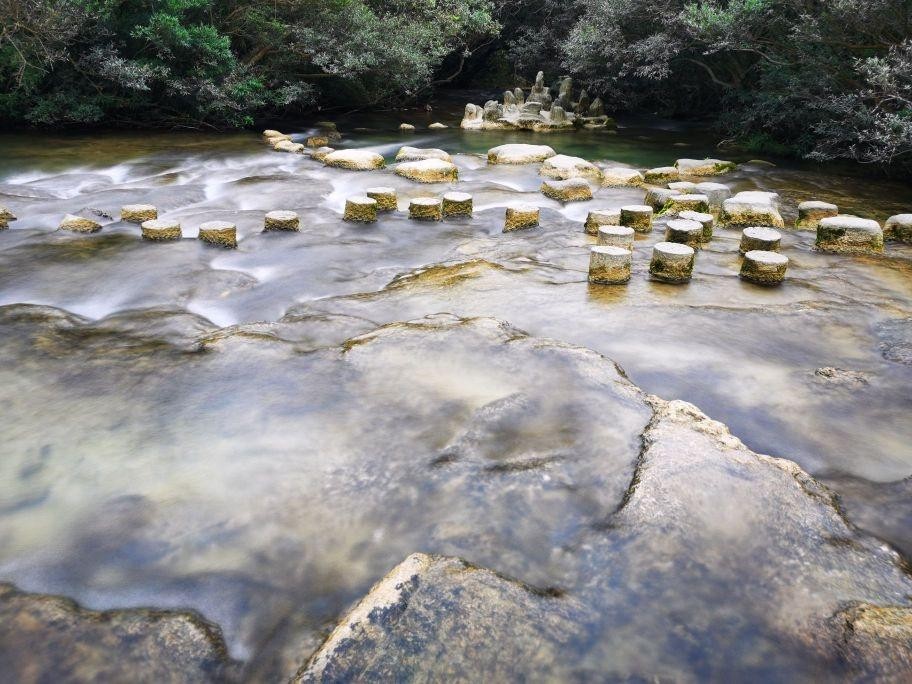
x,y
192,427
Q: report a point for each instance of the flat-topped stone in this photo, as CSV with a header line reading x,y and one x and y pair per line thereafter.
x,y
271,133
519,153
571,190
763,267
704,167
79,224
281,220
672,262
425,209
321,153
899,228
161,230
849,235
562,167
385,197
810,213
354,160
637,216
683,187
288,146
137,213
752,208
684,232
601,217
616,236
219,233
759,238
407,153
360,209
428,171
661,175
687,202
657,197
457,204
704,219
609,265
621,177
717,192
519,216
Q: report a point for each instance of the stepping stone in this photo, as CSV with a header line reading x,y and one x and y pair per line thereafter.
x,y
716,192
609,265
899,228
289,146
406,128
616,236
705,220
763,267
281,220
457,204
810,213
601,217
672,262
407,153
683,187
218,233
849,234
519,153
563,167
161,230
689,202
321,153
657,197
684,232
79,224
317,141
137,213
620,177
751,208
638,217
520,216
661,175
385,197
360,209
758,238
269,133
425,209
573,190
354,160
704,167
428,171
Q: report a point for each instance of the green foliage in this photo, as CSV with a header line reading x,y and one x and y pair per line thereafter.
x,y
220,63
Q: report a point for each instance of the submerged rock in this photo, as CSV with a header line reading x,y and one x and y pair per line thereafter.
x,y
428,171
354,160
51,638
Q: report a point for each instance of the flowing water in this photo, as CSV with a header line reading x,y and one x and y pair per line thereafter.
x,y
185,426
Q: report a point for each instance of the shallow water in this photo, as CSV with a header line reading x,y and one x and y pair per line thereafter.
x,y
270,479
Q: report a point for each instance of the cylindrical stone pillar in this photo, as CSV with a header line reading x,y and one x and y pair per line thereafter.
x,y
638,217
672,262
609,265
219,233
360,209
519,216
281,220
601,217
705,220
764,268
386,198
137,213
764,239
425,209
457,204
616,236
684,232
689,202
811,213
161,230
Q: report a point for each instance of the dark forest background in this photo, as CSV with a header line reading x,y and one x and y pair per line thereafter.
x,y
823,79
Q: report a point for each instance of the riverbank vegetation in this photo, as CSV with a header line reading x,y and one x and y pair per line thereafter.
x,y
824,80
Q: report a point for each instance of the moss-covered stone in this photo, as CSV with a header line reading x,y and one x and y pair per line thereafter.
x,y
520,216
684,232
601,217
428,171
79,224
686,202
457,204
616,236
360,209
849,235
763,267
137,213
385,197
161,230
281,220
572,190
898,228
759,238
811,213
218,233
638,217
425,209
661,175
672,262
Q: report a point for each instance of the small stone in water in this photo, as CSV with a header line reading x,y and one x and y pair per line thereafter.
x,y
360,209
759,238
519,216
849,235
609,265
161,230
672,262
572,190
457,204
78,224
616,236
684,232
137,213
763,267
425,209
638,217
601,217
281,220
705,220
219,233
386,198
810,213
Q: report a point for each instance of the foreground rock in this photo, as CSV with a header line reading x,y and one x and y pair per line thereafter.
x,y
428,171
519,153
50,638
354,160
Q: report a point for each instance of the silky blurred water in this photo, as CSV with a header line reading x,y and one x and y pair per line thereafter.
x,y
272,477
